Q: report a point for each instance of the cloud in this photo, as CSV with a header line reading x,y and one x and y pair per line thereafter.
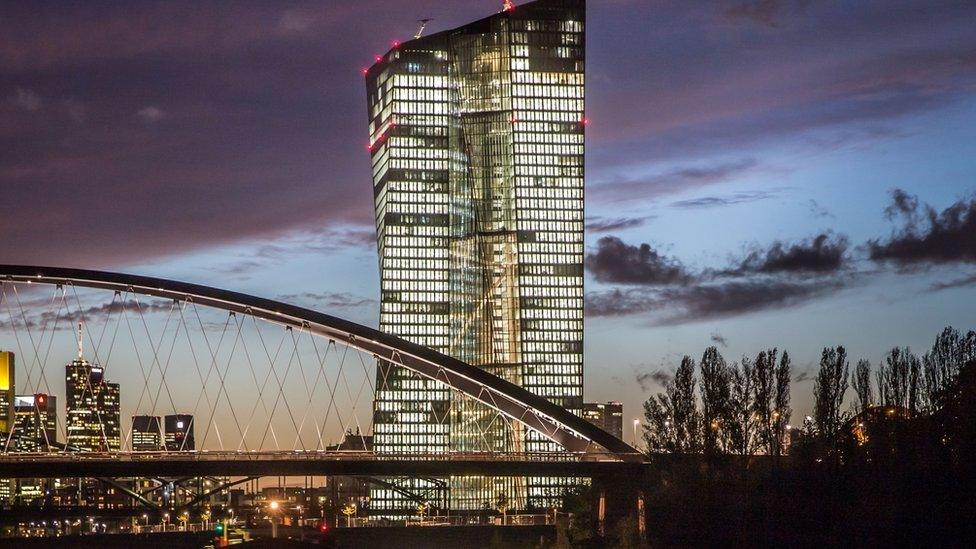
x,y
150,114
605,225
822,254
675,181
678,305
27,100
926,236
327,300
728,200
719,339
616,261
952,284
647,380
802,376
819,211
766,12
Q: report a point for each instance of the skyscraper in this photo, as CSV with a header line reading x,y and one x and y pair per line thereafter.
x,y
179,432
37,423
146,434
94,414
476,139
7,389
608,416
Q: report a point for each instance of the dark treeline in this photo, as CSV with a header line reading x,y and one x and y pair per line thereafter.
x,y
886,458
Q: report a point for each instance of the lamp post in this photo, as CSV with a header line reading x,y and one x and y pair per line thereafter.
x,y
273,507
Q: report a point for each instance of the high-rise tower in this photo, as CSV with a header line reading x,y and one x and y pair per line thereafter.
x,y
476,138
93,408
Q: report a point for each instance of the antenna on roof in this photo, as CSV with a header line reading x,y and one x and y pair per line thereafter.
x,y
81,343
423,25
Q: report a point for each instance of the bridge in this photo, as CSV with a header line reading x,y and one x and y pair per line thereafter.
x,y
588,450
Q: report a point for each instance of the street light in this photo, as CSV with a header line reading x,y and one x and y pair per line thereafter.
x,y
273,506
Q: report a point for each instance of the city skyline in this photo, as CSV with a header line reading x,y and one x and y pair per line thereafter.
x,y
700,143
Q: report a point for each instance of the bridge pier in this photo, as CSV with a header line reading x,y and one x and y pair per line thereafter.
x,y
620,505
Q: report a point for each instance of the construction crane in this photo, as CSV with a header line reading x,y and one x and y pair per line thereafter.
x,y
423,25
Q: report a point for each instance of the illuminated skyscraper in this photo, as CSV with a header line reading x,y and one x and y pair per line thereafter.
x,y
608,416
179,432
37,423
93,409
7,389
146,434
476,138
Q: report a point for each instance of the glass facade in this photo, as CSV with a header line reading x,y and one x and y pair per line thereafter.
x,y
93,411
476,137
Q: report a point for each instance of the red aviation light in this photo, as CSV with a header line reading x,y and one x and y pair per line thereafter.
x,y
41,399
396,43
585,121
378,58
508,5
365,71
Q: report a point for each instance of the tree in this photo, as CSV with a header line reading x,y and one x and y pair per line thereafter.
x,y
715,398
740,436
861,383
672,418
829,390
781,405
764,373
899,379
942,363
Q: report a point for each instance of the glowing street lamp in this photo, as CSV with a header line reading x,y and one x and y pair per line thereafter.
x,y
273,507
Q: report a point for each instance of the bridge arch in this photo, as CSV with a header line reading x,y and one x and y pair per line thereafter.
x,y
535,412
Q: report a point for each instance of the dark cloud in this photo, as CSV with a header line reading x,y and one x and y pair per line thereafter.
x,y
605,225
327,300
819,211
952,284
766,12
675,181
727,200
719,339
616,261
678,305
926,236
834,69
802,376
65,315
822,254
647,380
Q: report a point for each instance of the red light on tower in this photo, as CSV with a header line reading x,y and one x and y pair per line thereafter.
x,y
365,71
378,58
508,5
396,43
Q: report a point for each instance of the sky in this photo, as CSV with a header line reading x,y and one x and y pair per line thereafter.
x,y
760,173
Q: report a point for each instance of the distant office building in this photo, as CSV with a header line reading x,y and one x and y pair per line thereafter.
x,y
146,434
7,389
477,138
36,429
179,432
608,416
93,410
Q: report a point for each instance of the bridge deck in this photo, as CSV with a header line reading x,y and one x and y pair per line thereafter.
x,y
131,464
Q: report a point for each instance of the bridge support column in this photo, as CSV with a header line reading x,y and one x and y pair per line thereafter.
x,y
641,518
601,516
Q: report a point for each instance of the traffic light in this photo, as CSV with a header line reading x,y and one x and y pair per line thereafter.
x,y
324,527
219,528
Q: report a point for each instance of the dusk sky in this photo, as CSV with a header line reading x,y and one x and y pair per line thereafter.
x,y
759,172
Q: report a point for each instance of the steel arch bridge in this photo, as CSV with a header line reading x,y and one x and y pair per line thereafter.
x,y
586,445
